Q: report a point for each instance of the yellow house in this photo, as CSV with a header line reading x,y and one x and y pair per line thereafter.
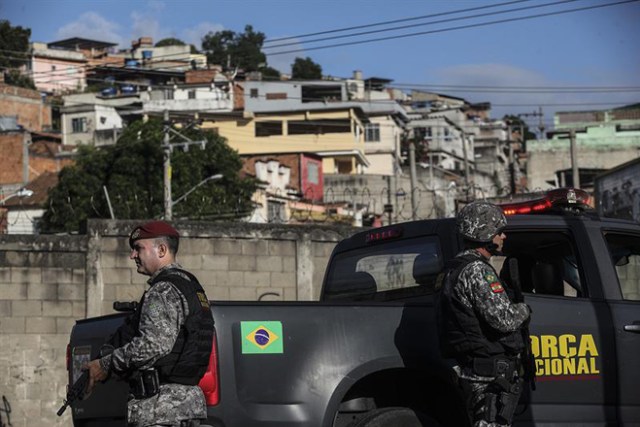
x,y
276,119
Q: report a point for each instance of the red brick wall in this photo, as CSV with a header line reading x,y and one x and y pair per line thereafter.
x,y
40,159
11,146
200,76
32,113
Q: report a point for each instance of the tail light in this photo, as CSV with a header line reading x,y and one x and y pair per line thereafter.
x,y
210,381
387,234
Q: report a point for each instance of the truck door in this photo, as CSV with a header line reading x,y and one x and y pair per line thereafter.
x,y
624,301
568,329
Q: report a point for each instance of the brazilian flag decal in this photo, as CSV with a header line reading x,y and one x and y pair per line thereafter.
x,y
261,337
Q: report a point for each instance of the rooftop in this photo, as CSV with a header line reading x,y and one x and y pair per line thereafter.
x,y
76,43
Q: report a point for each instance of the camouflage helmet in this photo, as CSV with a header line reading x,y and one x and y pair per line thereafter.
x,y
480,221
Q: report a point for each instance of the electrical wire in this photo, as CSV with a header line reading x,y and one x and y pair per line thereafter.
x,y
395,21
442,21
461,27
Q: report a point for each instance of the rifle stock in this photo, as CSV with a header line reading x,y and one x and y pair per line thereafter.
x,y
75,392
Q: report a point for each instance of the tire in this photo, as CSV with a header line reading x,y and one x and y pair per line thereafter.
x,y
395,417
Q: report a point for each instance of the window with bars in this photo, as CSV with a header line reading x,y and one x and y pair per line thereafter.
x,y
372,132
79,125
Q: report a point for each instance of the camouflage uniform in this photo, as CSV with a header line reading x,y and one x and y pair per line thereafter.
x,y
479,288
478,321
163,312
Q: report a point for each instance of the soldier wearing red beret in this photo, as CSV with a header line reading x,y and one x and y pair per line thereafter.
x,y
163,348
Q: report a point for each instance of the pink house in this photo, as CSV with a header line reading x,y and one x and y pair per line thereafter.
x,y
57,70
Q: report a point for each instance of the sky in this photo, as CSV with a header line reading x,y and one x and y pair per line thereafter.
x,y
483,51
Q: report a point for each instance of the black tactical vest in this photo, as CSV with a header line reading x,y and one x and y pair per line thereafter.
x,y
188,360
463,335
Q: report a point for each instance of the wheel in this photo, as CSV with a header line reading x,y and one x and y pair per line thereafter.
x,y
395,417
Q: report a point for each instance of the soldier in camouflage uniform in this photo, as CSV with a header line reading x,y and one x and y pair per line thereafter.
x,y
163,349
479,323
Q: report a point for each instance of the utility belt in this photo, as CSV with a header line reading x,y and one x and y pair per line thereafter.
x,y
496,366
145,384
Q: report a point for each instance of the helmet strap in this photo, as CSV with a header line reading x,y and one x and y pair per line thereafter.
x,y
492,248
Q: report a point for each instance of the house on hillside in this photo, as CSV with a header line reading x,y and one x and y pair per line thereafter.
x,y
604,139
56,70
295,117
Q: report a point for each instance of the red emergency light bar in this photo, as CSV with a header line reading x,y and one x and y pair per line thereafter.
x,y
571,198
376,236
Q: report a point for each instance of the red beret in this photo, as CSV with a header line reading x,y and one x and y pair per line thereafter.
x,y
151,230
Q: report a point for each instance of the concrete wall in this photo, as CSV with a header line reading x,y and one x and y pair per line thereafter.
x,y
42,292
46,282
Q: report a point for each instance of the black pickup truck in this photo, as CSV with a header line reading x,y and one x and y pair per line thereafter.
x,y
367,354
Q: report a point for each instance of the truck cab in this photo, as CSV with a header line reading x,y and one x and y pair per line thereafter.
x,y
580,275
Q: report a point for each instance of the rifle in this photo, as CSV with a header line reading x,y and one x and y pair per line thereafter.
x,y
77,390
528,360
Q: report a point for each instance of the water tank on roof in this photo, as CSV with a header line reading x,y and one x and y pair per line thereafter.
x,y
147,54
131,63
110,91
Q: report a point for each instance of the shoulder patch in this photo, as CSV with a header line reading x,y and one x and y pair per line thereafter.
x,y
494,283
490,277
496,287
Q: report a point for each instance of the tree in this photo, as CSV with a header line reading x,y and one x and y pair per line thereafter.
x,y
132,172
170,41
306,69
14,53
269,73
242,50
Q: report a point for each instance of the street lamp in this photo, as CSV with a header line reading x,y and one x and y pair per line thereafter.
x,y
201,183
22,193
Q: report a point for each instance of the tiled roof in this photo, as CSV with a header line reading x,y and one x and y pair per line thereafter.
x,y
40,187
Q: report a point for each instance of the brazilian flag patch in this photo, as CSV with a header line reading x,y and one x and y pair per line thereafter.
x,y
494,283
261,337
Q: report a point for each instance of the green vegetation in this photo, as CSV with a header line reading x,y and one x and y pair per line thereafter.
x,y
132,172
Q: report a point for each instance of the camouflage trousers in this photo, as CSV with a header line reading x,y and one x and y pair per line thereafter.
x,y
184,423
483,397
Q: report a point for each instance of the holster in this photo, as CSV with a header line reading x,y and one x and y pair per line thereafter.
x,y
144,384
494,367
501,400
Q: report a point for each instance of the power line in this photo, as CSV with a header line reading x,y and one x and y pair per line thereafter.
x,y
462,27
395,21
442,21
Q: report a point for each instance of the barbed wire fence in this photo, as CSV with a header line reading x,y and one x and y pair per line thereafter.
x,y
354,205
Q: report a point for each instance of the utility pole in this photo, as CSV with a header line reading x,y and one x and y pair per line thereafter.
x,y
388,208
167,147
540,116
512,166
166,167
574,160
412,165
466,163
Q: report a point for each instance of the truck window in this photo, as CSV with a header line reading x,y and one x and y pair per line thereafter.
x,y
384,272
625,255
547,263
